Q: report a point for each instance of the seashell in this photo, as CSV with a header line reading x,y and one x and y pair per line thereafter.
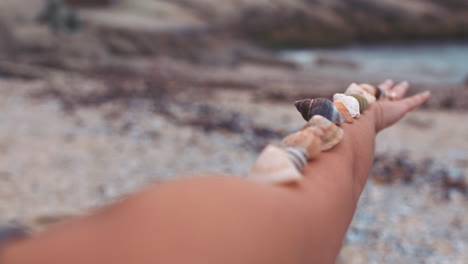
x,y
356,89
298,156
329,133
276,165
363,104
351,103
307,139
344,112
375,91
320,106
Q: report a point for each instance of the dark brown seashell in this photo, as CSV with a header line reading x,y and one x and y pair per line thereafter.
x,y
320,106
303,107
378,92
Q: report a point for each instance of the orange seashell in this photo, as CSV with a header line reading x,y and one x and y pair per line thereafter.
x,y
329,133
308,139
344,112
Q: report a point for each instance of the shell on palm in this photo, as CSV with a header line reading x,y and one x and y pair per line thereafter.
x,y
356,89
307,139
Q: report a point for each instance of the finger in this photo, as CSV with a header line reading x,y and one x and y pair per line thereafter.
x,y
400,90
386,85
415,101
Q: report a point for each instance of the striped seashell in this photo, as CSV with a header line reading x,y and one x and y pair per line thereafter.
x,y
307,139
277,165
363,104
356,89
298,156
320,106
329,133
351,103
344,112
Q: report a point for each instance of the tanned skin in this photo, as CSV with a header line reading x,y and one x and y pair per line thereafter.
x,y
214,219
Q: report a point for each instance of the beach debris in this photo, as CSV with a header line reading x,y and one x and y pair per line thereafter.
x,y
401,169
319,106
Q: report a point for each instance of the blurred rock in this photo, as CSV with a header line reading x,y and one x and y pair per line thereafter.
x,y
90,3
59,17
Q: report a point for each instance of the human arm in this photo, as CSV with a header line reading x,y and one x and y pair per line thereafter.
x,y
227,219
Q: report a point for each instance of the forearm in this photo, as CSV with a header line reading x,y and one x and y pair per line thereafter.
x,y
221,220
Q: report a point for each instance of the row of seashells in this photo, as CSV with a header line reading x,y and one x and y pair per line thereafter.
x,y
285,163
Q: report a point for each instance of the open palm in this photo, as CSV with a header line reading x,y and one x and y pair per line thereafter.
x,y
388,112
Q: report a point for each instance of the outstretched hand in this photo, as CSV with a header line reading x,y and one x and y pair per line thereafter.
x,y
388,112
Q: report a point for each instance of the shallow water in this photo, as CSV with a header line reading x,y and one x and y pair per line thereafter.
x,y
423,63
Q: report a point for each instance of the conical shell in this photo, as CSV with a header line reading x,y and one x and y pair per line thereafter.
x,y
306,139
363,104
319,106
380,93
298,156
274,165
351,103
356,89
374,90
303,106
329,133
344,112
369,88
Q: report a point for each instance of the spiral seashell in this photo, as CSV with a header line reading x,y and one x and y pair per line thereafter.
x,y
344,112
329,133
351,103
276,165
320,106
306,139
298,156
356,89
363,104
374,90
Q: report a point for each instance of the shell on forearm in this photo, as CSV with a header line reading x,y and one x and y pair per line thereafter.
x,y
277,165
308,139
320,106
329,133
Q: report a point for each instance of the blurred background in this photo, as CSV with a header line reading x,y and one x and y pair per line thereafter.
x,y
99,98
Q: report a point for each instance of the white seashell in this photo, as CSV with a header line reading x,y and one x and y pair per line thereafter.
x,y
368,88
356,89
276,165
351,103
